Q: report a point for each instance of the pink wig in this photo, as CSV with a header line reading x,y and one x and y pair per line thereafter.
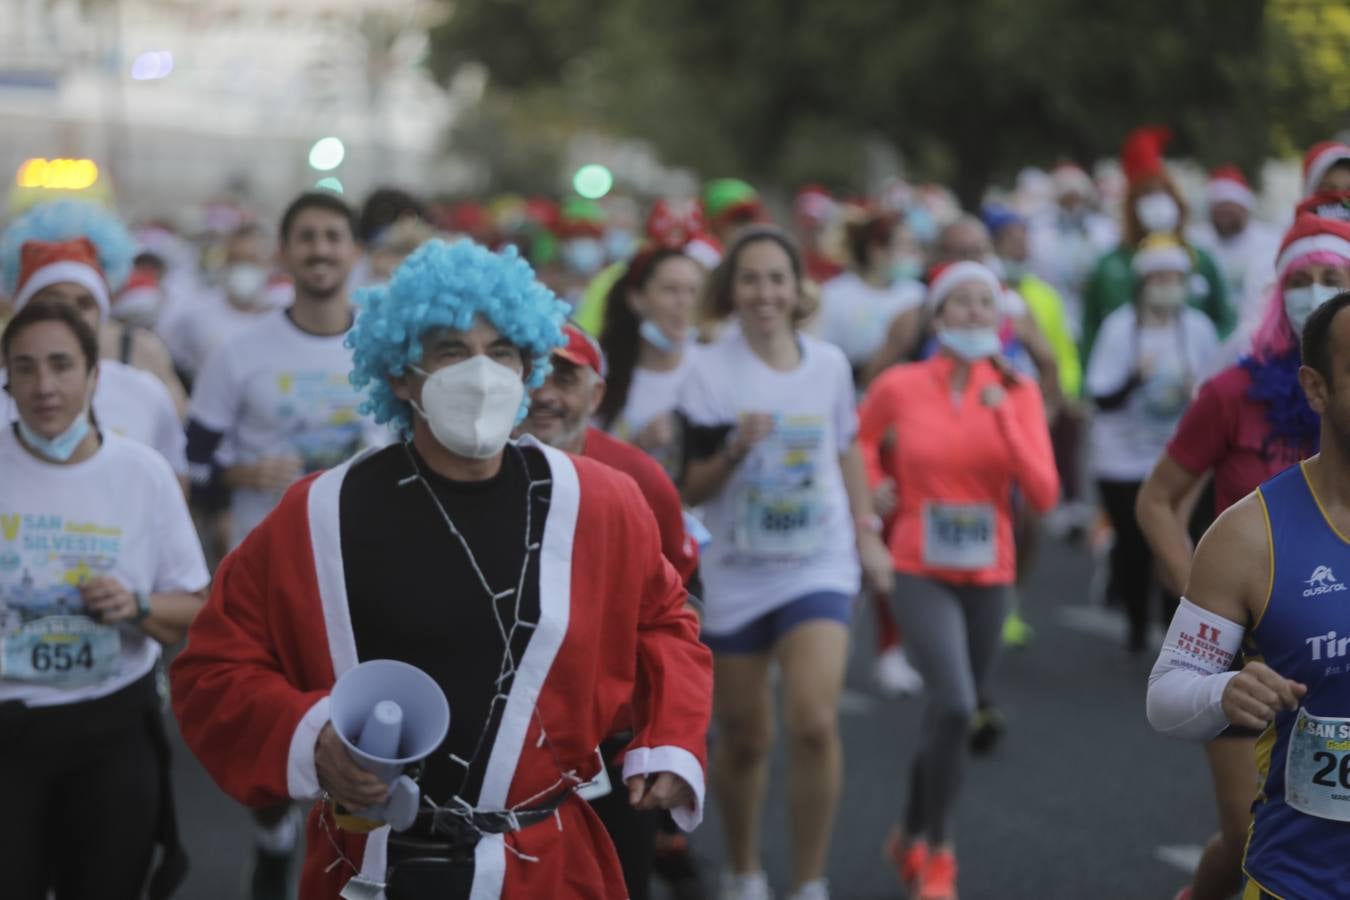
x,y
1275,337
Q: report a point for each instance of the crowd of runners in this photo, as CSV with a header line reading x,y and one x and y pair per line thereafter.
x,y
620,475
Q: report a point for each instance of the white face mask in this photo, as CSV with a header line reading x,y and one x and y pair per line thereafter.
x,y
971,344
1300,303
244,283
1165,296
472,406
1157,212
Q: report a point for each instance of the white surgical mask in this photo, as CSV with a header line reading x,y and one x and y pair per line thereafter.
x,y
1157,212
971,343
244,282
1300,303
1165,296
652,334
62,447
472,405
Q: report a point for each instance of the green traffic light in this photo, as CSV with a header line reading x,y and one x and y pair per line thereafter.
x,y
593,181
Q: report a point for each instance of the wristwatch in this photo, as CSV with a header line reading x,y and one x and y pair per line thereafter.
x,y
142,607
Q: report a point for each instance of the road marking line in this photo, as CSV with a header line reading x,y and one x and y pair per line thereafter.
x,y
1185,857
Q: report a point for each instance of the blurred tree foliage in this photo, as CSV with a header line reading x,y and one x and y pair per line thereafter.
x,y
786,91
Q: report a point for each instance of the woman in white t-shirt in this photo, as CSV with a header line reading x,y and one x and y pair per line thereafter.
x,y
773,462
99,566
649,319
1146,362
858,306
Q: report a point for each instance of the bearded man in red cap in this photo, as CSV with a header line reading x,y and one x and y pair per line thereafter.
x,y
560,413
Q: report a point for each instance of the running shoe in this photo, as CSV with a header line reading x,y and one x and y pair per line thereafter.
x,y
938,880
894,674
986,728
754,886
908,860
1016,632
812,890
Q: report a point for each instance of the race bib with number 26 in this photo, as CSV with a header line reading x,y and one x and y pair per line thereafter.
x,y
1317,768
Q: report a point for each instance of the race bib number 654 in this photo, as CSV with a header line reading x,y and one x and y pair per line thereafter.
x,y
63,651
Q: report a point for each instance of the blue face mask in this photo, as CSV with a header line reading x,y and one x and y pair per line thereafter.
x,y
906,268
620,243
62,447
650,332
971,344
584,256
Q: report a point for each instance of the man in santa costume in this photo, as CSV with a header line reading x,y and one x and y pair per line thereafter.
x,y
1242,245
529,584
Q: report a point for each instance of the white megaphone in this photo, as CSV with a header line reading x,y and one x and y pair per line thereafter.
x,y
389,715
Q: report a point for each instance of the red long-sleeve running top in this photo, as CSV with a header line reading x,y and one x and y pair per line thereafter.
x,y
955,462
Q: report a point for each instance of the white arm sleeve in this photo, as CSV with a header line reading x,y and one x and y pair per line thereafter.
x,y
1185,688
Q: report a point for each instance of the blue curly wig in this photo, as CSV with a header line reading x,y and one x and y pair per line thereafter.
x,y
444,285
64,220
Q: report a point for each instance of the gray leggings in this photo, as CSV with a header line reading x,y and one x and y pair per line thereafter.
x,y
953,634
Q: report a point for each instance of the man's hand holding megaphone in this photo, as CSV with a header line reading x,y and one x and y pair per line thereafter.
x,y
662,790
346,782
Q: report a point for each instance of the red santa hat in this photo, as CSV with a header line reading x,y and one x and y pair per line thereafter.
x,y
1328,205
581,350
1312,234
814,205
45,263
1141,157
945,277
1320,158
1228,185
141,286
705,250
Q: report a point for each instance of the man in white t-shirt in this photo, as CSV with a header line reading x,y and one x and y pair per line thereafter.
x,y
75,254
192,332
276,396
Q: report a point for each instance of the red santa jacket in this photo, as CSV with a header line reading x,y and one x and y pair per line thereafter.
x,y
657,488
250,690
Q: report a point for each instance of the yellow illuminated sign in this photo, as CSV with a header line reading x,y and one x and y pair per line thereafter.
x,y
58,174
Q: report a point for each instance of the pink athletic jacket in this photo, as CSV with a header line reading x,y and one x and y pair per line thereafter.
x,y
955,462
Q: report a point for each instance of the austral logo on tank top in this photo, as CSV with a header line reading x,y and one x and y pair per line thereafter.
x,y
1322,582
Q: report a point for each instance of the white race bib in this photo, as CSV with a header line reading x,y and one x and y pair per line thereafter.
x,y
780,507
775,520
1317,767
61,651
960,536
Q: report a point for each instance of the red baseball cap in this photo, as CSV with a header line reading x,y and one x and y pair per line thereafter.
x,y
581,350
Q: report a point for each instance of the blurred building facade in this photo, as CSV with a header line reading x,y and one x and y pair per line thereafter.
x,y
180,100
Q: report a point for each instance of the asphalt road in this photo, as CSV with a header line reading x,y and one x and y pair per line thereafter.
x,y
1080,800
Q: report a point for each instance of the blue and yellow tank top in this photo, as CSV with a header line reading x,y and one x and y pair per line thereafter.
x,y
1299,845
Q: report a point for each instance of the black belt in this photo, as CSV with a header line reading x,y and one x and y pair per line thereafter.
x,y
451,833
